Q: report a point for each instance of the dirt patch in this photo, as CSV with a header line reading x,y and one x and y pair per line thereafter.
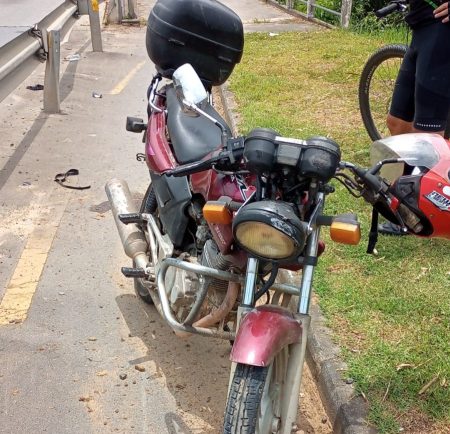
x,y
312,417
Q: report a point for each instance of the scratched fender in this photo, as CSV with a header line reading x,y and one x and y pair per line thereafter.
x,y
263,332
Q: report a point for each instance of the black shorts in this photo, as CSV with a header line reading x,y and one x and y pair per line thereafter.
x,y
422,89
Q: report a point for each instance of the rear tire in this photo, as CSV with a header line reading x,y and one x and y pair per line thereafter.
x,y
376,86
254,399
149,206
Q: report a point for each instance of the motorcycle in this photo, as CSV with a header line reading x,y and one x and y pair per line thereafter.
x,y
228,224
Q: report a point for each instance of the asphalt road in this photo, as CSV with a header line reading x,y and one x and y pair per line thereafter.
x,y
79,353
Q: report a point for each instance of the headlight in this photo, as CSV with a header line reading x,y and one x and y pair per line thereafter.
x,y
270,230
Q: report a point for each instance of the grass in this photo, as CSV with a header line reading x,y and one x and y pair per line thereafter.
x,y
390,313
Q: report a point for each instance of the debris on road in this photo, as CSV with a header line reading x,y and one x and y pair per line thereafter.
x,y
139,368
36,87
72,57
61,178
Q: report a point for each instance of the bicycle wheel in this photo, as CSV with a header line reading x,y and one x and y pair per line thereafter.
x,y
376,86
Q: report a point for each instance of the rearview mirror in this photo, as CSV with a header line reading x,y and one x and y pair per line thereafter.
x,y
189,88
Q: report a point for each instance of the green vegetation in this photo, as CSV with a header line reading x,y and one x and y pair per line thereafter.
x,y
363,18
390,313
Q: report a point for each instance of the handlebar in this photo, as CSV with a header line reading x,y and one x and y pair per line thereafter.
x,y
395,6
225,158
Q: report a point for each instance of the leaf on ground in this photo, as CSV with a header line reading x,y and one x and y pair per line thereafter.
x,y
102,373
428,385
404,366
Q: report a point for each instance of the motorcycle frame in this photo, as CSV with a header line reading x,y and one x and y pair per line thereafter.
x,y
297,347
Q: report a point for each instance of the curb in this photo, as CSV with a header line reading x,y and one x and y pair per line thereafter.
x,y
346,410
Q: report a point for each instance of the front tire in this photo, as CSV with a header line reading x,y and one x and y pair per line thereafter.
x,y
254,400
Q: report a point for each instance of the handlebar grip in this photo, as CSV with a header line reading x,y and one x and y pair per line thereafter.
x,y
387,10
369,179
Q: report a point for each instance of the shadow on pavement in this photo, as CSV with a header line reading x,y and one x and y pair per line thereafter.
x,y
196,369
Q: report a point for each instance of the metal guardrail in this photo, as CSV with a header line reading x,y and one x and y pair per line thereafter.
x,y
19,57
311,6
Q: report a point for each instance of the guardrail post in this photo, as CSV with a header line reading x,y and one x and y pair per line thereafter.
x,y
310,8
346,12
94,21
132,9
51,80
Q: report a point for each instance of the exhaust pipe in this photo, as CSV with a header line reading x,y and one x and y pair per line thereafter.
x,y
133,238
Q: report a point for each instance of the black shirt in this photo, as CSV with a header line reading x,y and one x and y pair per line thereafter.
x,y
421,13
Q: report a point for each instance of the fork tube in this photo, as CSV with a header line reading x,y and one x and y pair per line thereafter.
x,y
250,282
247,302
308,270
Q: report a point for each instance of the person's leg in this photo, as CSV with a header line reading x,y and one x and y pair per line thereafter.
x,y
401,113
432,91
431,111
398,126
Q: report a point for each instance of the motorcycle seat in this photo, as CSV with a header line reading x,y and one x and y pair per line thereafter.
x,y
192,137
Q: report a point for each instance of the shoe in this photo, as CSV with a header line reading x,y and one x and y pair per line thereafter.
x,y
389,228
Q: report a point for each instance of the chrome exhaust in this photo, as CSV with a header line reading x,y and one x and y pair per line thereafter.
x,y
133,238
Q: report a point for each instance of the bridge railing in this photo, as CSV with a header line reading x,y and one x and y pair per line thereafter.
x,y
41,43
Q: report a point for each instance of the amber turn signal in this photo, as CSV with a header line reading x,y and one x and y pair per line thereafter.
x,y
217,212
345,232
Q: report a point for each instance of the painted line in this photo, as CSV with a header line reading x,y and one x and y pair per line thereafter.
x,y
123,83
24,281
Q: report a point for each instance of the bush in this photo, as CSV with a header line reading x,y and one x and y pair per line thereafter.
x,y
364,20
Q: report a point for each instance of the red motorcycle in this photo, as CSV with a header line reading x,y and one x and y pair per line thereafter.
x,y
226,222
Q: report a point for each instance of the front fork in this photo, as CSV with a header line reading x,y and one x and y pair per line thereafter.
x,y
297,351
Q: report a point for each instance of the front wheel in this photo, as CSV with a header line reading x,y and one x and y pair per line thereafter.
x,y
376,86
255,398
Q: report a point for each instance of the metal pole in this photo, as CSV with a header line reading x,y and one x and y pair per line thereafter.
x,y
310,8
94,21
51,81
132,9
346,12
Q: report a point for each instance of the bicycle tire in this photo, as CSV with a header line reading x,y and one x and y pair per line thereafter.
x,y
376,85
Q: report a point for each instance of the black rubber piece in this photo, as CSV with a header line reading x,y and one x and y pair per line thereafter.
x,y
133,272
130,218
391,229
365,85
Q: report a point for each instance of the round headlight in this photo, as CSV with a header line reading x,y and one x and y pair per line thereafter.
x,y
270,230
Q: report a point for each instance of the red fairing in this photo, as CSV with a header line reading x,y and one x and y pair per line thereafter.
x,y
263,332
434,200
159,156
212,186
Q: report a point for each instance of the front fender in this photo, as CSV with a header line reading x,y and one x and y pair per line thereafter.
x,y
262,333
